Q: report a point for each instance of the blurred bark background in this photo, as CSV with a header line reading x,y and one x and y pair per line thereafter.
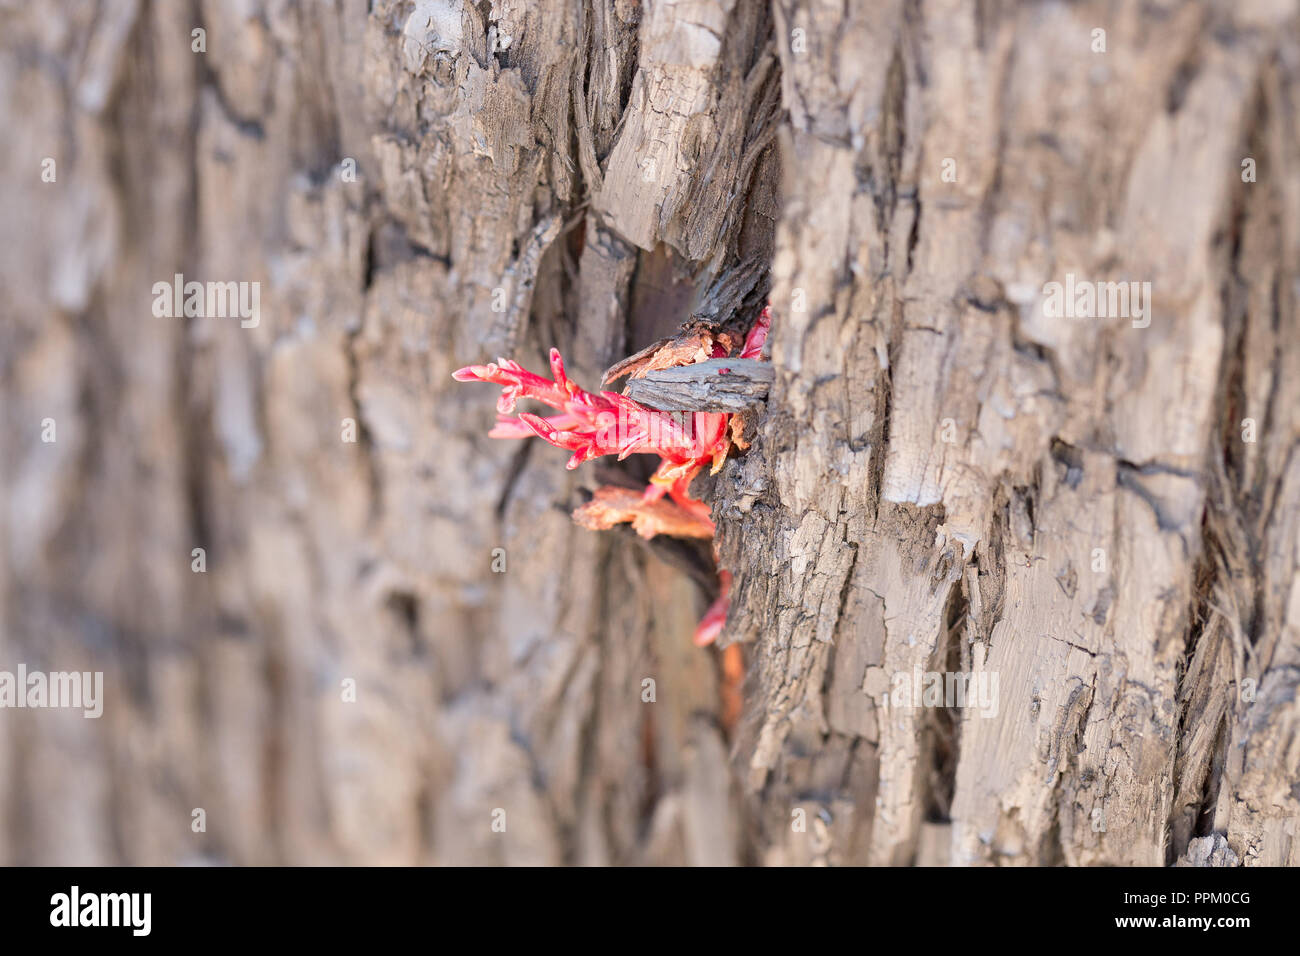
x,y
937,470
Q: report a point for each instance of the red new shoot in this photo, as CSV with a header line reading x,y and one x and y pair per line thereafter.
x,y
591,424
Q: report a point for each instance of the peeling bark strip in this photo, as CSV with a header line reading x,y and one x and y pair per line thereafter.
x,y
1099,515
717,385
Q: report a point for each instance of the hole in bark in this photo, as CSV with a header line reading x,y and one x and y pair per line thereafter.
x,y
405,606
1201,684
1213,782
1071,461
1183,78
943,725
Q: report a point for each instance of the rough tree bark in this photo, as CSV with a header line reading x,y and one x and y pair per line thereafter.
x,y
943,479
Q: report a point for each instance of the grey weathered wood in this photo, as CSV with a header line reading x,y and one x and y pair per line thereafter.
x,y
482,139
946,478
935,465
717,385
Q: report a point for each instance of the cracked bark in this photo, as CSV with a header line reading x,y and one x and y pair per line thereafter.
x,y
936,468
1147,711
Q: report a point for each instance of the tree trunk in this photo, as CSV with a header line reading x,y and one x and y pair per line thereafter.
x,y
401,649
